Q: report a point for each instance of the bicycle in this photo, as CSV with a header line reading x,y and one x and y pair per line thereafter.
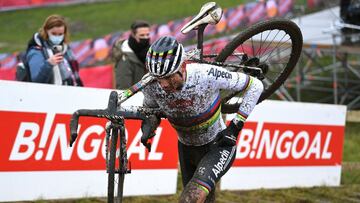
x,y
253,62
115,133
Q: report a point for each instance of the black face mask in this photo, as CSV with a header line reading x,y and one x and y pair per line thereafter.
x,y
140,48
144,42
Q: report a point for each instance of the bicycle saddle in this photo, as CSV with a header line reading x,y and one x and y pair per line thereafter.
x,y
210,13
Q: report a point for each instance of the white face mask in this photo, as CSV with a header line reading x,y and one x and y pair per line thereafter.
x,y
56,40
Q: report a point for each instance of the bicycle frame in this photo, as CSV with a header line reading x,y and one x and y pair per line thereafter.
x,y
232,67
115,130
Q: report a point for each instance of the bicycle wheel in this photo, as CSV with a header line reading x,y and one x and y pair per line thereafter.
x,y
123,165
274,46
112,164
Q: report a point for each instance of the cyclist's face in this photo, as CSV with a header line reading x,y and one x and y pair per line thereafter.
x,y
171,83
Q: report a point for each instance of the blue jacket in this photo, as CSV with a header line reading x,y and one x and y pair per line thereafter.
x,y
41,70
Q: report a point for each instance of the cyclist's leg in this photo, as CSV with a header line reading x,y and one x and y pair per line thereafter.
x,y
189,157
186,167
209,171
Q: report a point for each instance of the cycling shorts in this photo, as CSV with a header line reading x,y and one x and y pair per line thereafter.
x,y
205,164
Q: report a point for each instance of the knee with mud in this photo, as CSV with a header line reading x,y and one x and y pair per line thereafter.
x,y
195,191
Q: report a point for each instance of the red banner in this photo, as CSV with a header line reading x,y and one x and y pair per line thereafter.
x,y
7,73
281,144
99,76
39,142
14,4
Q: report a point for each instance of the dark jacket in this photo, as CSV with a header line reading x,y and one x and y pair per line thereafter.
x,y
128,68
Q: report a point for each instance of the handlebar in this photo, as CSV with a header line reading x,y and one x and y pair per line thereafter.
x,y
111,113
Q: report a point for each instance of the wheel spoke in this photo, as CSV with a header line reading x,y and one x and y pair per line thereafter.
x,y
277,45
242,48
270,42
260,44
278,52
264,42
252,45
278,59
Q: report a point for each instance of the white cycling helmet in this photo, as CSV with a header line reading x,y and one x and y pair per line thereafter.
x,y
164,57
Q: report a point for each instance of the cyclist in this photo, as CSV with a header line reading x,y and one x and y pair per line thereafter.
x,y
188,94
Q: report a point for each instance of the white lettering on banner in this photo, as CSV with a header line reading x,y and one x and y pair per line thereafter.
x,y
326,154
284,154
153,155
301,136
137,148
27,141
244,146
49,119
270,146
95,143
315,147
59,136
275,144
30,142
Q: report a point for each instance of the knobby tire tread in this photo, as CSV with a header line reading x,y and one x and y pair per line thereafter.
x,y
123,166
111,167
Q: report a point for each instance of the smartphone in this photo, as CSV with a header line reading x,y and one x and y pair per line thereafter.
x,y
57,49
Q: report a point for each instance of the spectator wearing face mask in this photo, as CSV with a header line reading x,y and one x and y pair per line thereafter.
x,y
49,57
129,55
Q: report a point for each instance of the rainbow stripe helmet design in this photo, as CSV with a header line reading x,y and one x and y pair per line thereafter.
x,y
164,57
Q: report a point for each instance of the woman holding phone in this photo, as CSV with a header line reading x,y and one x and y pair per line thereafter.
x,y
49,57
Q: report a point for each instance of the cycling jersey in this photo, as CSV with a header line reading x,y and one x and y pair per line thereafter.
x,y
195,110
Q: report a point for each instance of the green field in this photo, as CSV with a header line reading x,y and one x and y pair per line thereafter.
x,y
96,19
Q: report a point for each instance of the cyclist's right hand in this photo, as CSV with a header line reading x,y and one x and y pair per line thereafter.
x,y
148,128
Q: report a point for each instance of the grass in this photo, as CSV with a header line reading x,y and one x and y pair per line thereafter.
x,y
95,19
352,143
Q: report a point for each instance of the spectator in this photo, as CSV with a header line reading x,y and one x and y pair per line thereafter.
x,y
49,58
129,55
350,14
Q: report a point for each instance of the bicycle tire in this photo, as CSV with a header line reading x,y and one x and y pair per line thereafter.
x,y
284,25
112,165
123,164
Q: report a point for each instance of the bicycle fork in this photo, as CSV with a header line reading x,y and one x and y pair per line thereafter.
x,y
121,152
